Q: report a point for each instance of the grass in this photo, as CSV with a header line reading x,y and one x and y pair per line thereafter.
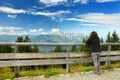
x,y
54,71
46,72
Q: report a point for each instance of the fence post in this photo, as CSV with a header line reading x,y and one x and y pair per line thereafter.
x,y
68,59
16,68
107,60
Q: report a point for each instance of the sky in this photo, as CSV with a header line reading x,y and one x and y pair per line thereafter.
x,y
35,17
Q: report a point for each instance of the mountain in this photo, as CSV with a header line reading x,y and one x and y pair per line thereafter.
x,y
64,38
45,38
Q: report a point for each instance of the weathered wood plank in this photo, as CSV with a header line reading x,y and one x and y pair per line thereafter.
x,y
51,55
31,55
52,61
47,44
38,44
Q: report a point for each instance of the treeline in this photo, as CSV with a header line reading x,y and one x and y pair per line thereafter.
x,y
111,38
21,49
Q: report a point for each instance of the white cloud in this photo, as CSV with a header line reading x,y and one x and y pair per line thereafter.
x,y
40,29
11,10
102,1
52,2
98,19
36,30
33,30
10,30
50,13
53,15
57,2
11,16
81,1
55,31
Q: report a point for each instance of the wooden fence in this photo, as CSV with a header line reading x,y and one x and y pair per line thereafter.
x,y
27,59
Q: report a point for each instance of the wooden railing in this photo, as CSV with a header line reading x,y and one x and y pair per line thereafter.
x,y
27,59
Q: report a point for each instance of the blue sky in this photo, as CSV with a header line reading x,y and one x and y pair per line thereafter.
x,y
59,16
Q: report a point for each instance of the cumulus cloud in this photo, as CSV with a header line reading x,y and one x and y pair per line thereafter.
x,y
50,13
33,30
36,30
52,2
12,13
10,30
41,31
11,10
81,1
98,19
57,2
102,1
11,16
55,31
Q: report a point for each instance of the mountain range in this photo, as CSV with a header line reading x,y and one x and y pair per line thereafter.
x,y
45,39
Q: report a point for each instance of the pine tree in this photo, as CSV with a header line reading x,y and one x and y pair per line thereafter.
x,y
74,49
58,48
35,49
27,48
20,48
19,39
103,47
115,39
108,38
27,39
6,49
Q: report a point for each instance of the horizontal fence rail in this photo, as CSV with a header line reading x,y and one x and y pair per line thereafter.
x,y
27,59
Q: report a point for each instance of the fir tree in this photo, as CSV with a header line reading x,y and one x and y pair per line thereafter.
x,y
108,38
20,48
58,48
74,49
115,39
103,47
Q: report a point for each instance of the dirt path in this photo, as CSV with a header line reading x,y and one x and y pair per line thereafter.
x,y
105,75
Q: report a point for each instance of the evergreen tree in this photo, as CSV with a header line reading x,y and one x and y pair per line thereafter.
x,y
6,49
23,49
27,39
103,47
115,39
74,49
20,48
35,49
27,48
19,39
108,38
58,48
